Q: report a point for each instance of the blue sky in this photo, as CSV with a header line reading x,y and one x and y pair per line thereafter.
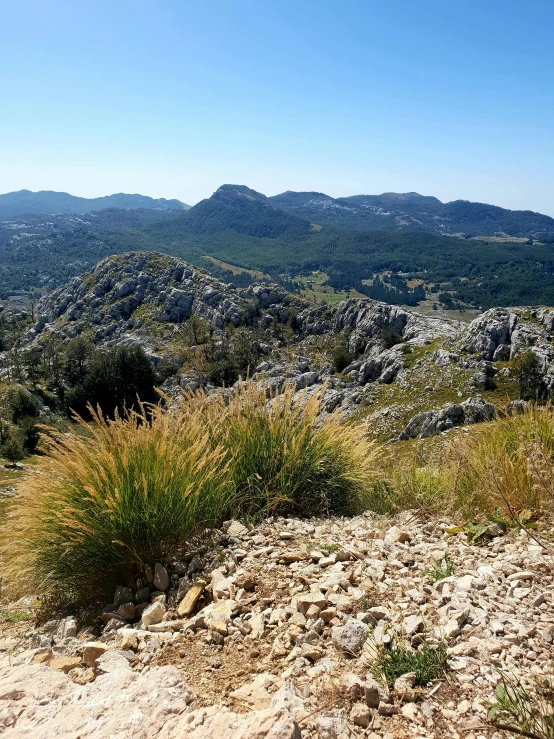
x,y
172,98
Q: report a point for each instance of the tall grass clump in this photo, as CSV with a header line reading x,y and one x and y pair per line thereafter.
x,y
506,465
282,457
109,497
411,478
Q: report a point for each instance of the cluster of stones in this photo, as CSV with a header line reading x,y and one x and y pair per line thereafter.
x,y
307,606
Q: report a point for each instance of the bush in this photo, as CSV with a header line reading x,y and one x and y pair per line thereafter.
x,y
112,496
341,355
113,380
281,459
527,369
13,447
19,412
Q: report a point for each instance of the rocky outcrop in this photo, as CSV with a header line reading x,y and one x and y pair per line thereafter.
x,y
42,702
429,423
169,289
143,299
366,319
500,333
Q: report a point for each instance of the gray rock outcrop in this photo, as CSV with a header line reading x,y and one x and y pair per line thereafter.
x,y
472,410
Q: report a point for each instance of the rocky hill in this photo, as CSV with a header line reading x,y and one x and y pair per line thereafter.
x,y
396,364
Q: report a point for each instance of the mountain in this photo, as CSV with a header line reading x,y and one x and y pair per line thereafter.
x,y
237,225
24,202
245,229
411,210
245,211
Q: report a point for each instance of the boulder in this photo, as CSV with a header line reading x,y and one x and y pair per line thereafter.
x,y
188,604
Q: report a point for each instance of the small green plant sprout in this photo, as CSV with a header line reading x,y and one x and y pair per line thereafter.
x,y
365,603
524,712
428,662
14,617
441,568
330,548
479,531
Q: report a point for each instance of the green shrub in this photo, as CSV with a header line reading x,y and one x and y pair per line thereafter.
x,y
19,412
13,447
112,379
389,337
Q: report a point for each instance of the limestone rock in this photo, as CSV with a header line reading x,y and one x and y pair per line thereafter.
x,y
218,722
111,661
351,637
65,664
305,600
92,651
153,614
161,578
188,604
38,702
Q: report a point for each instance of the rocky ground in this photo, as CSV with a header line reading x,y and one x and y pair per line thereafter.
x,y
274,630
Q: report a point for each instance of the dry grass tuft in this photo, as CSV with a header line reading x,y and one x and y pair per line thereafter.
x,y
282,457
109,497
112,496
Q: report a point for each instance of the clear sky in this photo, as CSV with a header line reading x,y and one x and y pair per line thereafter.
x,y
171,98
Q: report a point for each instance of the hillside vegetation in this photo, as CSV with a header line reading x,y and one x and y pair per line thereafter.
x,y
243,228
343,509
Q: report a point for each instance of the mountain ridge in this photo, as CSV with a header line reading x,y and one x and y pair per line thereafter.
x,y
243,228
41,202
391,211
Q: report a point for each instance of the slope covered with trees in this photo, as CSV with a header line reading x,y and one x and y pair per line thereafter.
x,y
241,227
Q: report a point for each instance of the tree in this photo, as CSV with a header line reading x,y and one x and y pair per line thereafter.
x,y
196,330
340,352
527,369
77,355
113,380
21,409
13,448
